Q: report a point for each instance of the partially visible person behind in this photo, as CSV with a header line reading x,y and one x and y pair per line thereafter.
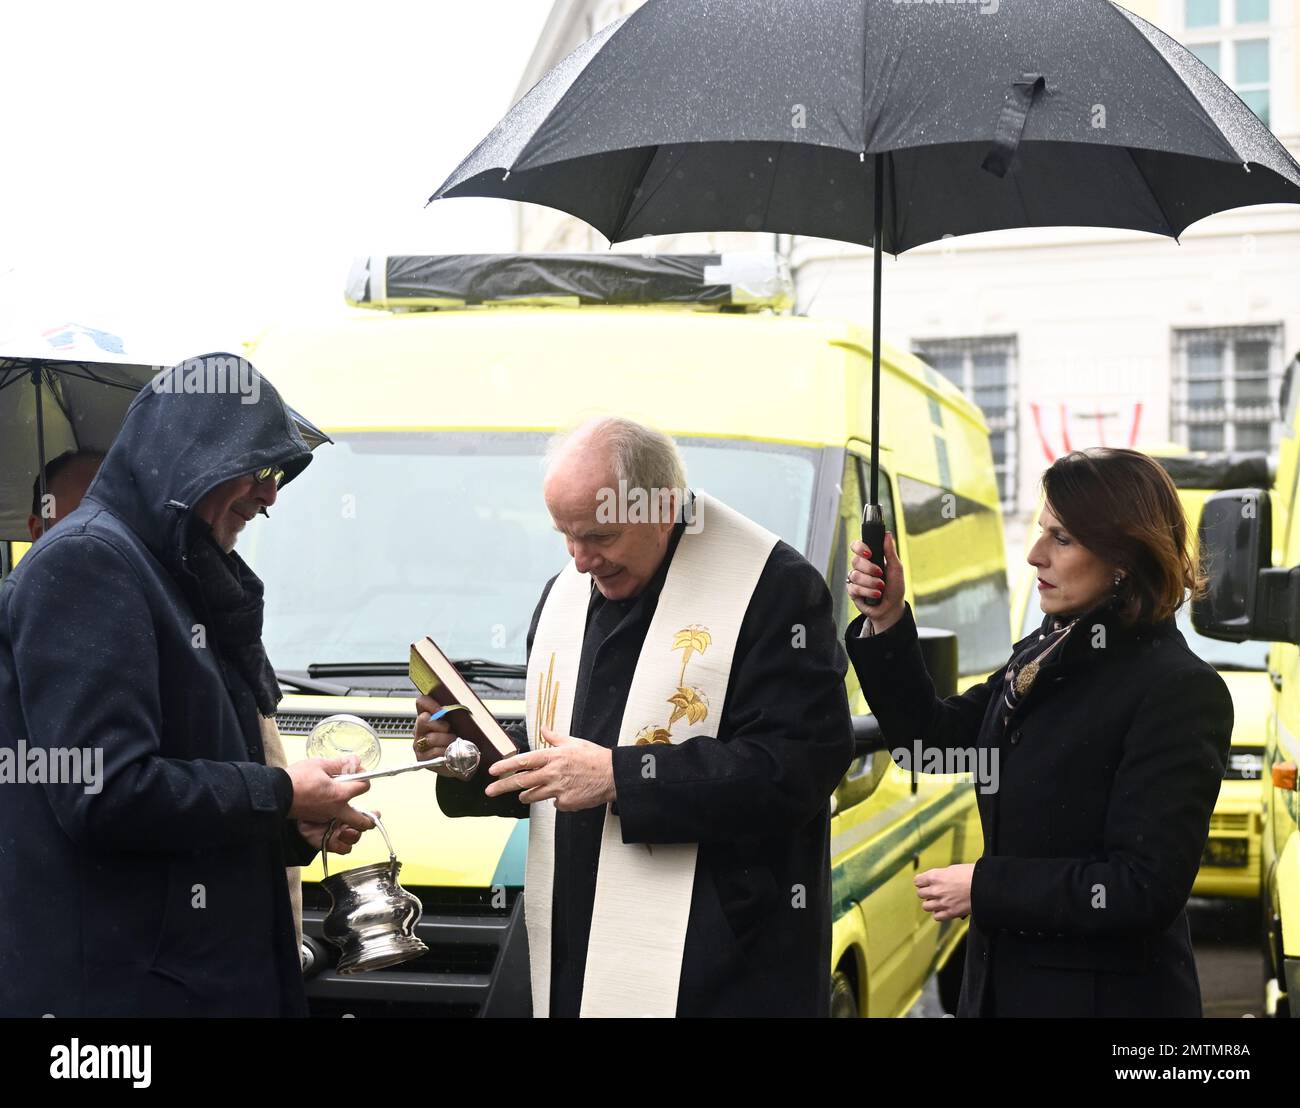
x,y
1111,738
67,478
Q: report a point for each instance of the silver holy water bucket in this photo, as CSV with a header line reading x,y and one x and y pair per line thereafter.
x,y
371,918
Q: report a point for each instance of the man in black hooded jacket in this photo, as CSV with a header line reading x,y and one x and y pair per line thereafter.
x,y
133,633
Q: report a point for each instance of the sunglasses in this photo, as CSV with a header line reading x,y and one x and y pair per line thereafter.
x,y
270,473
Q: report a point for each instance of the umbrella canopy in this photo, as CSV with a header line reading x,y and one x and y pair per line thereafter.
x,y
888,123
68,388
756,115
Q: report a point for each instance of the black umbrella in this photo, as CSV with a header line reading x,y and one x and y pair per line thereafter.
x,y
759,115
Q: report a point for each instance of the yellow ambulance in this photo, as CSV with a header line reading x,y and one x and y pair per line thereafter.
x,y
440,386
1252,546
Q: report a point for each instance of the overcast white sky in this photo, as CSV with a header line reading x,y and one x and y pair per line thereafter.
x,y
201,169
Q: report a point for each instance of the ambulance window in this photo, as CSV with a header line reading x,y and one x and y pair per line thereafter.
x,y
475,592
957,571
886,493
771,483
855,485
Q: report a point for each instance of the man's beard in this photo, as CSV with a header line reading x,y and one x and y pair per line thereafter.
x,y
229,545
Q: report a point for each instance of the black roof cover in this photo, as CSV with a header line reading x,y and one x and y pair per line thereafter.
x,y
1218,471
749,280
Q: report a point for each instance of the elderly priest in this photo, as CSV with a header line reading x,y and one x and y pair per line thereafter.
x,y
687,723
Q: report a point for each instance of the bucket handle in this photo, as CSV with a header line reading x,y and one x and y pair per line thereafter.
x,y
325,840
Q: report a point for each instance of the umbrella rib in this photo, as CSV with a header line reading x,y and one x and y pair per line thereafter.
x,y
88,376
1169,227
1020,199
891,174
771,186
632,197
55,368
1115,9
61,404
863,97
47,381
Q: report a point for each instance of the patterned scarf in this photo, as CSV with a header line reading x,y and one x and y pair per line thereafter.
x,y
1023,671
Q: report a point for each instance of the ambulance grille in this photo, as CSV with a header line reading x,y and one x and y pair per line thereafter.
x,y
386,726
301,723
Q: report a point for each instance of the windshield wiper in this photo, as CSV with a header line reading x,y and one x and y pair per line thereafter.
x,y
468,667
481,667
307,685
357,669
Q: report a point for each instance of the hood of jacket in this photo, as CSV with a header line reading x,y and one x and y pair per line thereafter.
x,y
195,425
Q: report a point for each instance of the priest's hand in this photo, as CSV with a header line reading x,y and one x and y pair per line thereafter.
x,y
945,892
577,773
432,737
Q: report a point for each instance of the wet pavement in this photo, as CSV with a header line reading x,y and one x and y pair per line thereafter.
x,y
1229,959
1225,936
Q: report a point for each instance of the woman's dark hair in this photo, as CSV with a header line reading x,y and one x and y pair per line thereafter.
x,y
1123,506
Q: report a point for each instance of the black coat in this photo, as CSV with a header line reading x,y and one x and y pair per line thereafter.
x,y
1108,771
165,892
755,798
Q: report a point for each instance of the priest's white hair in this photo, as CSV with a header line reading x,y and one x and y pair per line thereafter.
x,y
643,457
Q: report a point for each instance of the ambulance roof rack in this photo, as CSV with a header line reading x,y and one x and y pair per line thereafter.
x,y
737,282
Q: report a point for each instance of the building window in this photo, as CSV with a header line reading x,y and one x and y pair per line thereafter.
x,y
606,11
1226,386
985,370
1232,38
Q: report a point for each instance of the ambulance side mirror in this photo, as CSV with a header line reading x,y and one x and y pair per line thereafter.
x,y
867,736
1246,598
939,649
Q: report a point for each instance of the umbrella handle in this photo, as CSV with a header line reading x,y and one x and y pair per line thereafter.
x,y
873,534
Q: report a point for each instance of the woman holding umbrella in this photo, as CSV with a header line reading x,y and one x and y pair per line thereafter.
x,y
1110,738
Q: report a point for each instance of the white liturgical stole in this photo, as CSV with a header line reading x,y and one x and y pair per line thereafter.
x,y
643,892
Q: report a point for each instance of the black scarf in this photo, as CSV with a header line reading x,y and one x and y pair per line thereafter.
x,y
231,595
